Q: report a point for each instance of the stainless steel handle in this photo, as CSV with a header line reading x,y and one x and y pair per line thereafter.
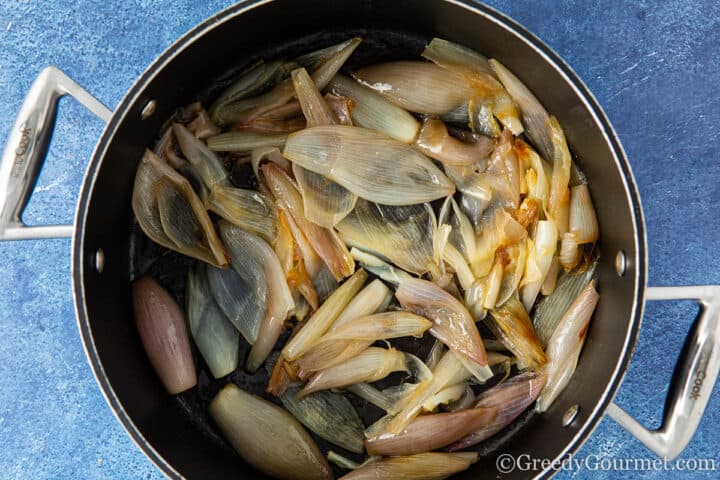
x,y
27,147
693,380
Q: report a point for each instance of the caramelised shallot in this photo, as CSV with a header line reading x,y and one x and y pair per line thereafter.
x,y
292,261
321,321
269,126
371,110
559,200
342,108
435,142
370,366
313,60
583,222
326,202
510,398
373,298
452,323
379,267
371,395
565,344
203,126
381,326
445,396
268,437
448,371
467,399
430,432
511,325
570,253
241,294
490,101
314,108
278,303
348,464
539,261
201,158
340,216
246,109
416,86
324,241
423,466
161,324
245,141
534,115
462,61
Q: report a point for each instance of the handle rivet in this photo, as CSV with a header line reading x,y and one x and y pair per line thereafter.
x,y
570,415
148,109
620,263
99,260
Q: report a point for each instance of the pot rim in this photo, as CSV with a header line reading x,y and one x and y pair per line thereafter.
x,y
134,95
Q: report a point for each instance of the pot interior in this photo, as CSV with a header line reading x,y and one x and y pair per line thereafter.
x,y
176,431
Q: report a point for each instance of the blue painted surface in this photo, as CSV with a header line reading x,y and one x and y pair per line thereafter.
x,y
654,68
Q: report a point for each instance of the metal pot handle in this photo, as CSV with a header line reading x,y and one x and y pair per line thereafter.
x,y
27,147
693,380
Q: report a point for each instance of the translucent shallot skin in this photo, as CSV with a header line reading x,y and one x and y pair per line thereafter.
x,y
358,159
278,302
402,234
330,415
171,214
216,338
326,202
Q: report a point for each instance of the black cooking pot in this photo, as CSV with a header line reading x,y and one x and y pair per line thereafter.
x,y
175,432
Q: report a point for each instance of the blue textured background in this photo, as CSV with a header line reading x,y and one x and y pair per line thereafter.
x,y
654,69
